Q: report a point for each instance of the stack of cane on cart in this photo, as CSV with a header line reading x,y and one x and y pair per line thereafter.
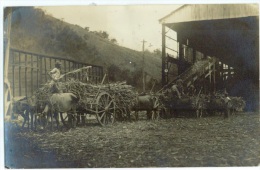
x,y
123,95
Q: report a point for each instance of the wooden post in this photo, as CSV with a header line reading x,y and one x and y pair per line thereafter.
x,y
143,71
163,56
193,55
65,69
181,55
8,92
19,73
13,69
214,75
45,69
222,74
37,73
50,63
229,72
31,74
25,76
7,50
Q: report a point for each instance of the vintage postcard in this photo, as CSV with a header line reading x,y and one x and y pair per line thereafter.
x,y
131,86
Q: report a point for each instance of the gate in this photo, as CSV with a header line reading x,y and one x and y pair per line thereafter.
x,y
28,71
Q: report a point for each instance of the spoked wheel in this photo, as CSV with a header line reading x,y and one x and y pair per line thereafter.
x,y
105,109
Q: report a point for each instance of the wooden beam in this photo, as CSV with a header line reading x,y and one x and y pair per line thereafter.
x,y
193,55
163,56
19,73
25,76
31,74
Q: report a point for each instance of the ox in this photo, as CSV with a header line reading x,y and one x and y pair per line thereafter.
x,y
27,107
61,103
219,104
237,104
186,104
148,103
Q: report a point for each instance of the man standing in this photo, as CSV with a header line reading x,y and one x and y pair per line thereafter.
x,y
55,73
191,90
177,89
227,104
55,76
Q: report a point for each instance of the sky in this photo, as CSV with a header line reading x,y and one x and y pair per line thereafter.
x,y
128,24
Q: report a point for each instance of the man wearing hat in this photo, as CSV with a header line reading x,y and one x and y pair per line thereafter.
x,y
228,104
55,73
178,88
191,90
226,98
55,76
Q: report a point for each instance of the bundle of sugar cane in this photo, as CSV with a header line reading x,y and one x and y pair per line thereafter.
x,y
124,94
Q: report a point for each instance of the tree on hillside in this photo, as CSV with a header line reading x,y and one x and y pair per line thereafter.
x,y
86,28
104,35
114,41
113,72
157,52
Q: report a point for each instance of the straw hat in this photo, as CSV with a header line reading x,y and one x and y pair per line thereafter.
x,y
58,63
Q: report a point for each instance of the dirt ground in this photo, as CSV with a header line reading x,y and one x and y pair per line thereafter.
x,y
177,142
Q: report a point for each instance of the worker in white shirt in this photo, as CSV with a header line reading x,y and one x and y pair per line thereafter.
x,y
55,75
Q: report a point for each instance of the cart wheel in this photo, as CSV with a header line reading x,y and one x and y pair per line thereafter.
x,y
105,109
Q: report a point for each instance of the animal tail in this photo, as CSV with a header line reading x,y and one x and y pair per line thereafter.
x,y
75,98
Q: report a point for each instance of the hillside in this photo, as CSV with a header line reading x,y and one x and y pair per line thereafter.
x,y
35,31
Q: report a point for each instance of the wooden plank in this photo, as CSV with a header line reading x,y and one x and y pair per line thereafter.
x,y
13,75
78,74
19,75
27,66
65,69
163,55
170,38
53,57
50,64
40,82
31,74
25,76
171,49
199,12
82,71
45,69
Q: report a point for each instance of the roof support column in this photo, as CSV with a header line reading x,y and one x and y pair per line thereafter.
x,y
181,66
164,81
193,55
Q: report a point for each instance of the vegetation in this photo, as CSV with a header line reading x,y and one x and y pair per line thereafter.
x,y
180,142
34,30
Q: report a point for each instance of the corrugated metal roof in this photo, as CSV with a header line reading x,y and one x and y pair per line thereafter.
x,y
198,12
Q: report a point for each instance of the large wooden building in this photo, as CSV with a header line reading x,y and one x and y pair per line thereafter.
x,y
226,33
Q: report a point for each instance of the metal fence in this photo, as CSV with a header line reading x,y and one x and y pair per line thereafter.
x,y
28,71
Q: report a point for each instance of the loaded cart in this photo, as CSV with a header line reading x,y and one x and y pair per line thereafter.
x,y
105,101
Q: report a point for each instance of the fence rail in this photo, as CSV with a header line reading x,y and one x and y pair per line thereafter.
x,y
28,71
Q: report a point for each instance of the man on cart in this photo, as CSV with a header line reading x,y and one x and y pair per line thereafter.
x,y
55,75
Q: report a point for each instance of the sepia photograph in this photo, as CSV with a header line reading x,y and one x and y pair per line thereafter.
x,y
131,85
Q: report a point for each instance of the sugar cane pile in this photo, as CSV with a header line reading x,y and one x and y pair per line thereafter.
x,y
195,68
122,93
